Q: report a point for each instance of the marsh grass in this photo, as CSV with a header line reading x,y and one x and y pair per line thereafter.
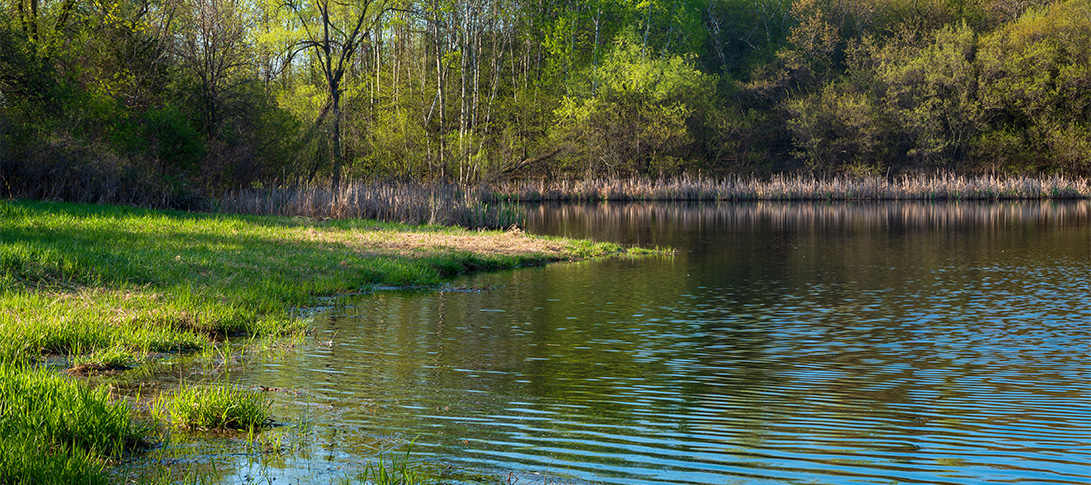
x,y
412,203
496,205
393,469
910,187
55,430
106,287
216,406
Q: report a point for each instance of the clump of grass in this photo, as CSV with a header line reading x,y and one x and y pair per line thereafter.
x,y
104,361
54,430
218,406
395,470
24,460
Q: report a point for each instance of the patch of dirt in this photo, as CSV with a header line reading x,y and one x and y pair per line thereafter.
x,y
96,368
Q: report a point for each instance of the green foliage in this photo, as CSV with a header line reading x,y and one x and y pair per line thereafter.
x,y
172,139
638,120
1036,88
930,90
171,105
837,130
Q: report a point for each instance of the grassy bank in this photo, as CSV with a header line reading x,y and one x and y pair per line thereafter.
x,y
104,288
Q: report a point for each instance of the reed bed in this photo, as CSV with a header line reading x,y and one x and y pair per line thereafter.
x,y
495,206
410,203
800,188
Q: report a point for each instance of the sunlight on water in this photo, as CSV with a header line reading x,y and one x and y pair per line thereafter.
x,y
782,343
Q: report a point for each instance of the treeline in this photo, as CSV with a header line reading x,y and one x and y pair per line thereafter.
x,y
166,101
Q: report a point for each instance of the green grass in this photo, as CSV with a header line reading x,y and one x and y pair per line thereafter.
x,y
218,406
393,470
110,287
80,278
56,430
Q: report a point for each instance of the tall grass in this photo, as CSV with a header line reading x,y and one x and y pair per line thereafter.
x,y
489,206
910,187
217,406
54,430
411,203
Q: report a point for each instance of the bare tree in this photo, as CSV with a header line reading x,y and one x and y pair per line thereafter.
x,y
335,31
213,47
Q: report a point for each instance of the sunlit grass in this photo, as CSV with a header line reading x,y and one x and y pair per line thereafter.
x,y
76,278
108,288
217,406
55,430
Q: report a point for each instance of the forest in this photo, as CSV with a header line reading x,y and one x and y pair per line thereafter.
x,y
165,101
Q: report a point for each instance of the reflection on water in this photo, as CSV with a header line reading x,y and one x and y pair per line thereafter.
x,y
782,343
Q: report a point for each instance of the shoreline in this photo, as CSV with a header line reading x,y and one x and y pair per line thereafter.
x,y
797,188
109,288
490,205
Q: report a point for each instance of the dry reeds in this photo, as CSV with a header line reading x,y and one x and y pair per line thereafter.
x,y
393,202
685,188
489,207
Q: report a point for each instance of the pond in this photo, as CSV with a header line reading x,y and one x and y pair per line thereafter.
x,y
938,343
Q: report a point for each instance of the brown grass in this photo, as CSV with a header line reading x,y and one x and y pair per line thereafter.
x,y
917,187
417,243
411,203
496,206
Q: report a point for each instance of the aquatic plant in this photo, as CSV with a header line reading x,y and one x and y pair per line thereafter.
x,y
217,406
393,470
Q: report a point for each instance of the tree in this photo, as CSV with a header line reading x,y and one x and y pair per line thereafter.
x,y
1036,89
639,121
334,32
213,45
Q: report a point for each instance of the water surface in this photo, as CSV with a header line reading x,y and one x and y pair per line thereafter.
x,y
782,343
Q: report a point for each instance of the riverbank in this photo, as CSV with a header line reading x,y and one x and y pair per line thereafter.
x,y
103,289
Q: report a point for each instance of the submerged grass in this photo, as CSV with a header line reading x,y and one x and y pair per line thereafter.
x,y
109,287
395,469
